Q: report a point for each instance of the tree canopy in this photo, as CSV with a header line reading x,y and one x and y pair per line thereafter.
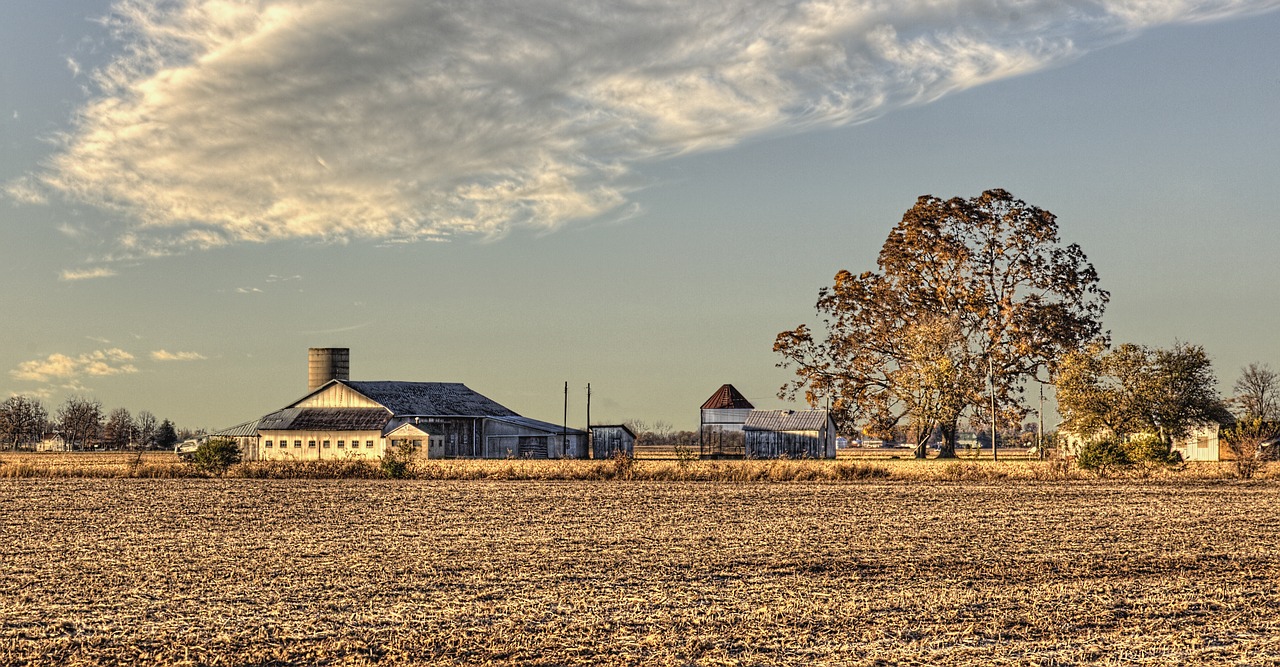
x,y
964,286
1135,389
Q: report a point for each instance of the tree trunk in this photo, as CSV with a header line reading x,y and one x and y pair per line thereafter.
x,y
947,448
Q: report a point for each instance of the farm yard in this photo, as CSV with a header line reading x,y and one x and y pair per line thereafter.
x,y
350,572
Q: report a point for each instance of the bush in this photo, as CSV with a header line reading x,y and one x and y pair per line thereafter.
x,y
395,462
1244,440
216,455
1149,448
1102,455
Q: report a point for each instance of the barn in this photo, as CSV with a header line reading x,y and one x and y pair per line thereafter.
x,y
791,434
341,418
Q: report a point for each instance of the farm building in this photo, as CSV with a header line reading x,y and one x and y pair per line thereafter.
x,y
1200,445
245,435
792,434
341,418
720,423
610,441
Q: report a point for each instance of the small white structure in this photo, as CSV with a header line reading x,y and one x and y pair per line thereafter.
x,y
1200,445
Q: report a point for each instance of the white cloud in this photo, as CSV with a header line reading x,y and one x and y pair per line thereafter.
x,y
165,355
224,122
63,368
71,275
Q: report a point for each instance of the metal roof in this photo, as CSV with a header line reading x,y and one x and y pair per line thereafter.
x,y
537,425
430,399
248,429
727,397
325,419
786,420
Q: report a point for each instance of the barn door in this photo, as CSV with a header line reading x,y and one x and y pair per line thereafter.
x,y
435,447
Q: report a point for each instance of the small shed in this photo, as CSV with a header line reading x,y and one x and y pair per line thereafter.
x,y
790,434
610,441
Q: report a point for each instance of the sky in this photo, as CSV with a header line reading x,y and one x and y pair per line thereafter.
x,y
637,196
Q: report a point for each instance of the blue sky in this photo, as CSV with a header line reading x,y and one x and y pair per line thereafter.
x,y
515,195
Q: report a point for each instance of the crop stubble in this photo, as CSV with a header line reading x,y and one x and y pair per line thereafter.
x,y
356,572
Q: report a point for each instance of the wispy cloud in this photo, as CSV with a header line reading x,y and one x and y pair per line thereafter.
x,y
64,368
72,275
224,122
165,355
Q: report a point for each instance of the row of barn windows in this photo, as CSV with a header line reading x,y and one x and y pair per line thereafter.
x,y
355,444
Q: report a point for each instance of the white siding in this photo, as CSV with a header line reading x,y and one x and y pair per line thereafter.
x,y
304,452
336,396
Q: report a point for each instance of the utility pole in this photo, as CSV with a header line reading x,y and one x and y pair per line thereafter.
x,y
995,454
1040,431
590,435
564,428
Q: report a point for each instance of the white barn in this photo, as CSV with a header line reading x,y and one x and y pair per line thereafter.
x,y
349,419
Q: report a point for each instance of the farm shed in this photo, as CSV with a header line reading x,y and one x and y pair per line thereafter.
x,y
609,441
720,423
792,434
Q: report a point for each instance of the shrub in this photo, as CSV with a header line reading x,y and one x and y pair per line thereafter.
x,y
395,462
216,455
1244,440
1149,448
1102,455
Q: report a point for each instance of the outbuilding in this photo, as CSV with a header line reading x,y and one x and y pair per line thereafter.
x,y
792,434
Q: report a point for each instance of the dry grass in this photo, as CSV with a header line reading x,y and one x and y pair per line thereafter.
x,y
165,464
353,572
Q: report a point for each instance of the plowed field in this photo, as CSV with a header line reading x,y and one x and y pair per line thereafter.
x,y
109,571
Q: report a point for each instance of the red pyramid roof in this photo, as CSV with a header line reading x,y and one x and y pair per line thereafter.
x,y
727,398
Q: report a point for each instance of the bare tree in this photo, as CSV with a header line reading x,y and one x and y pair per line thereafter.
x,y
80,421
119,432
1257,393
23,421
146,424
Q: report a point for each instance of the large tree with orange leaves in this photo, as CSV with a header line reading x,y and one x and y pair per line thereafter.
x,y
964,287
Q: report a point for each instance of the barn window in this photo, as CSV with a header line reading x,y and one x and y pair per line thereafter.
x,y
268,444
417,444
297,443
326,444
341,444
311,443
368,443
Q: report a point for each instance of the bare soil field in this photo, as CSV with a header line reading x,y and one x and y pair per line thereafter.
x,y
354,572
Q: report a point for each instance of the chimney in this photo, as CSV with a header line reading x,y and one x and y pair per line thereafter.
x,y
327,363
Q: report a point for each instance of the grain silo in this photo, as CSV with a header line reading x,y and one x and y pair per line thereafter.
x,y
327,363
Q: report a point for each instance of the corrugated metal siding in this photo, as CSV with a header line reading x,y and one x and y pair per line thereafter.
x,y
786,420
608,441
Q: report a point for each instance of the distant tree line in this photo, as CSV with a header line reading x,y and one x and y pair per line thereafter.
x,y
81,424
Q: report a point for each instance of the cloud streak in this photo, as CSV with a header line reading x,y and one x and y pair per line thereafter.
x,y
225,122
63,368
165,355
